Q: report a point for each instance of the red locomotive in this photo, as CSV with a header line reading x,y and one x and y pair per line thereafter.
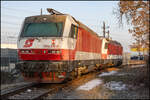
x,y
56,47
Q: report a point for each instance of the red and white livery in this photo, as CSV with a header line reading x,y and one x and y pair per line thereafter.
x,y
55,47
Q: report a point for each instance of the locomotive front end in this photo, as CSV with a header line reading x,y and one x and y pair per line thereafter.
x,y
41,48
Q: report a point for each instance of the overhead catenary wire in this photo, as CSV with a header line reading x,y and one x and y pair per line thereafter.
x,y
13,23
22,10
92,26
7,15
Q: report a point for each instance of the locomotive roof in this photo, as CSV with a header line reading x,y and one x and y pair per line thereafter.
x,y
37,18
85,27
115,42
65,15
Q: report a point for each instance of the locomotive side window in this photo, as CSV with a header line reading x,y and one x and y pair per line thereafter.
x,y
106,45
48,29
73,32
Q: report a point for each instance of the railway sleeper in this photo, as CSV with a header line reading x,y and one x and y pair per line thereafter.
x,y
34,94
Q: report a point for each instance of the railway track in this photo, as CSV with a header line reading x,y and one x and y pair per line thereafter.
x,y
7,92
31,91
37,91
32,94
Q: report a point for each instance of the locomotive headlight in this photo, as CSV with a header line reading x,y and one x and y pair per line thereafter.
x,y
22,51
53,52
26,51
58,52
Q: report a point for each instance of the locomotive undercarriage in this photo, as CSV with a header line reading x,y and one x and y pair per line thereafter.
x,y
71,69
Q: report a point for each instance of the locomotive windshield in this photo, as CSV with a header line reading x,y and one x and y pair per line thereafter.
x,y
46,29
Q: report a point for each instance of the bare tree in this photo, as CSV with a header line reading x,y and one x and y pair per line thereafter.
x,y
137,15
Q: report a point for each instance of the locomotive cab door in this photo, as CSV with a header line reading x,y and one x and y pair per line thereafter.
x,y
72,40
73,32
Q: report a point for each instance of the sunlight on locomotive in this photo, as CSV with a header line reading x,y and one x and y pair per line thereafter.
x,y
56,47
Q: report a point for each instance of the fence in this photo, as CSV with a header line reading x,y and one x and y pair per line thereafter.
x,y
9,76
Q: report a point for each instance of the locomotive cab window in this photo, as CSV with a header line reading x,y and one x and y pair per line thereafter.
x,y
44,29
73,31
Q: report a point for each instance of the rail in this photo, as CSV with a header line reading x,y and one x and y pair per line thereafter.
x,y
6,92
34,94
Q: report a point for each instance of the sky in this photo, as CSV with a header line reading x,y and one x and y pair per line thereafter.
x,y
90,13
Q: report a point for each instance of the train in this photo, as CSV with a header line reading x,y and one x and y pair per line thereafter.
x,y
55,47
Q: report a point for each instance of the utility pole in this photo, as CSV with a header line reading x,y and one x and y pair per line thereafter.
x,y
41,11
104,29
108,34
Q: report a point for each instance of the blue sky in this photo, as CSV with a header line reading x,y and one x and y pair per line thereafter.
x,y
90,13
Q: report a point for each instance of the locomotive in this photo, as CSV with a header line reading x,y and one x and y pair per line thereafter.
x,y
56,47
